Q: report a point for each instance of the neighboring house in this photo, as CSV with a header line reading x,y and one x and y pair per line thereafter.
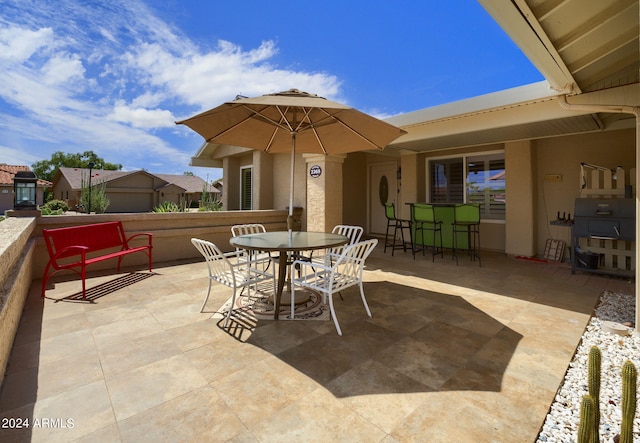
x,y
218,184
128,191
6,186
529,139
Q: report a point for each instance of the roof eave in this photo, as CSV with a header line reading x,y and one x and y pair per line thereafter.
x,y
519,22
531,93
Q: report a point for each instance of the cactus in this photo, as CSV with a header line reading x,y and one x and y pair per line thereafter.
x,y
595,363
629,378
585,429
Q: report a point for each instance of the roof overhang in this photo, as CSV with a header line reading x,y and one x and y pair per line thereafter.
x,y
210,155
504,116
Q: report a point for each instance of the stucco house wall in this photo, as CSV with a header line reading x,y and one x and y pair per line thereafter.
x,y
132,193
563,155
63,191
354,202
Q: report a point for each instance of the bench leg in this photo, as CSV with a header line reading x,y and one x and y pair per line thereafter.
x,y
45,278
84,284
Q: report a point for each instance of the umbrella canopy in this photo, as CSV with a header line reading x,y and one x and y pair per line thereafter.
x,y
292,122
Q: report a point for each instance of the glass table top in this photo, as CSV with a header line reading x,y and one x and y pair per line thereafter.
x,y
281,241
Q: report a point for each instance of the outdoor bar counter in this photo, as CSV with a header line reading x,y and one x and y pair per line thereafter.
x,y
444,213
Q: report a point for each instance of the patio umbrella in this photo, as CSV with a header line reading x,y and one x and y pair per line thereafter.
x,y
292,122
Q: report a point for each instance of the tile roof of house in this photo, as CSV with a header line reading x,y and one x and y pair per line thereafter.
x,y
74,175
8,171
191,184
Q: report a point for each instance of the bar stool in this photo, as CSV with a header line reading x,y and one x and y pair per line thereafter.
x,y
424,219
466,220
396,223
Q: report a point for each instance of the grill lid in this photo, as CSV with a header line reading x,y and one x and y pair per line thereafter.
x,y
617,208
612,219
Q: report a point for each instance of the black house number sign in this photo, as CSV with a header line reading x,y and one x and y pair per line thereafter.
x,y
315,171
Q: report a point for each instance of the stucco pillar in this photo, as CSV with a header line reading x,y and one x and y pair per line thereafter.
x,y
407,184
324,192
231,188
262,180
637,242
520,227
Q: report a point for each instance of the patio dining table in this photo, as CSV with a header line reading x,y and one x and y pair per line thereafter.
x,y
286,243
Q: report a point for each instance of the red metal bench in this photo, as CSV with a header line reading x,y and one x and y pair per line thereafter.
x,y
76,247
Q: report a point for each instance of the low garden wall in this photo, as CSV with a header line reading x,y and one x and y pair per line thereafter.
x,y
16,272
172,232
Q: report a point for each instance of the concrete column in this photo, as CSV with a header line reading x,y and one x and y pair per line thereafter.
x,y
262,180
324,192
407,184
520,227
231,188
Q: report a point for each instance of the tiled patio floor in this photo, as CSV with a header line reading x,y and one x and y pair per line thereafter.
x,y
452,354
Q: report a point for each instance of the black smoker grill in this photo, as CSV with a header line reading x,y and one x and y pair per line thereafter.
x,y
601,219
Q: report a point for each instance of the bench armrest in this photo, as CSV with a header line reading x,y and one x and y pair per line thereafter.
x,y
148,234
69,251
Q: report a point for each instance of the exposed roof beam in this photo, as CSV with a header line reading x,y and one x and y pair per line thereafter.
x,y
612,46
615,12
547,8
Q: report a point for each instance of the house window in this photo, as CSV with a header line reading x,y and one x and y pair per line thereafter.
x,y
246,188
478,178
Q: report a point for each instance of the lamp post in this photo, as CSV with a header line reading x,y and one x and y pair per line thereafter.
x,y
24,190
90,165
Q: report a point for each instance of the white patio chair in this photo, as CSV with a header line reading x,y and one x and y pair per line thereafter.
x,y
353,233
260,259
345,272
236,274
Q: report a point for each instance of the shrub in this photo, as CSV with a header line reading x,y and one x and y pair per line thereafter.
x,y
209,202
168,206
55,205
215,205
98,191
48,211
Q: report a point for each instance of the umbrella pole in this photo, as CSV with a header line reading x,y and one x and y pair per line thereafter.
x,y
293,158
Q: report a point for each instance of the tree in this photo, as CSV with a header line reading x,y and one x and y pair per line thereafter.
x,y
46,169
189,173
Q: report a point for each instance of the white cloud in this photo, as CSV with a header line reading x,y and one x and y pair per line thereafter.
x,y
12,156
112,77
142,118
18,44
63,69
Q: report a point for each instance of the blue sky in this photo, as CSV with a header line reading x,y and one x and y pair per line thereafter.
x,y
113,77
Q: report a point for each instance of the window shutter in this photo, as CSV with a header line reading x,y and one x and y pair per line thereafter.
x,y
246,191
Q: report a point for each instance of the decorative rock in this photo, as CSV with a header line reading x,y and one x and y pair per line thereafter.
x,y
613,312
615,328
